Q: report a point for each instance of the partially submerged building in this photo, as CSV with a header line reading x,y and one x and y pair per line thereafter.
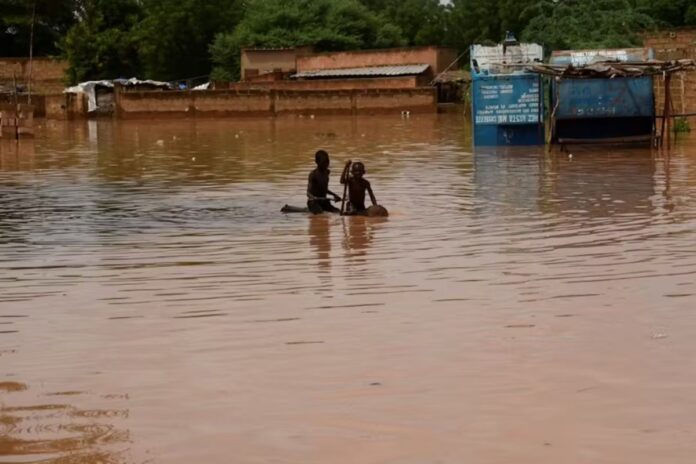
x,y
301,69
260,64
100,95
507,101
594,102
297,81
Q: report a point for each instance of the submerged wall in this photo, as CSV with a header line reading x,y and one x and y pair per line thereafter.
x,y
405,82
258,102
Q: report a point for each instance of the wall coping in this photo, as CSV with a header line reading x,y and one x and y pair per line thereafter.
x,y
25,59
379,50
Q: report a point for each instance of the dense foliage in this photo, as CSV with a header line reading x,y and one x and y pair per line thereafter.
x,y
178,39
324,24
51,18
587,24
101,44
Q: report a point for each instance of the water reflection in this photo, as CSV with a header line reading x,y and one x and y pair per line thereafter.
x,y
610,183
16,155
359,232
319,231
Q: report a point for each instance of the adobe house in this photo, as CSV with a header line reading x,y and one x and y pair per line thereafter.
x,y
435,60
263,64
676,45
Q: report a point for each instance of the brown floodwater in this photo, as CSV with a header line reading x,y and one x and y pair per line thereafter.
x,y
516,307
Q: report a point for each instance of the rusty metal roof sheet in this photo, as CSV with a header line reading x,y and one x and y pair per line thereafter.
x,y
611,69
586,57
371,71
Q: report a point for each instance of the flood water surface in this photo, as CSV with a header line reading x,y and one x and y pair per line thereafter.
x,y
516,306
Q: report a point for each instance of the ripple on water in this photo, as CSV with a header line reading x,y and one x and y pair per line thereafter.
x,y
169,263
59,432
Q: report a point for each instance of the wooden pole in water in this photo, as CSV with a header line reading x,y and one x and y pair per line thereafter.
x,y
345,190
668,109
664,110
31,52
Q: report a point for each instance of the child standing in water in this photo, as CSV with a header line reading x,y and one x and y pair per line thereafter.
x,y
357,185
318,186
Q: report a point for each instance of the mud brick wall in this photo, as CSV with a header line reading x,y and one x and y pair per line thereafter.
x,y
48,74
437,58
407,82
675,45
313,102
231,103
423,100
65,106
273,102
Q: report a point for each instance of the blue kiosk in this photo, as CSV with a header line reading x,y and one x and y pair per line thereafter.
x,y
507,101
602,109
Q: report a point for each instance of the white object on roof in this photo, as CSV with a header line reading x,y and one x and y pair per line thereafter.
x,y
371,71
493,58
89,88
205,86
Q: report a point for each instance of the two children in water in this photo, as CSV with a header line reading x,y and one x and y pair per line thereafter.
x,y
352,177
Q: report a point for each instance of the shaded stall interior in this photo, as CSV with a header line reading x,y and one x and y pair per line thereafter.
x,y
600,107
601,96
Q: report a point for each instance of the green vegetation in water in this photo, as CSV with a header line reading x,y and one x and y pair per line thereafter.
x,y
179,39
681,125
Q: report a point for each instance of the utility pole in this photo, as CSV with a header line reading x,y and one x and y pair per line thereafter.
x,y
31,49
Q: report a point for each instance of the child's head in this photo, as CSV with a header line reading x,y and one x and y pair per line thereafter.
x,y
321,157
358,169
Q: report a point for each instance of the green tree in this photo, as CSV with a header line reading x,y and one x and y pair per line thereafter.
x,y
51,19
473,21
174,35
102,44
514,15
423,22
568,24
669,13
325,24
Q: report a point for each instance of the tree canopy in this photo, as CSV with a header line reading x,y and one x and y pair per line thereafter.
x,y
174,35
587,24
326,25
51,18
101,44
178,39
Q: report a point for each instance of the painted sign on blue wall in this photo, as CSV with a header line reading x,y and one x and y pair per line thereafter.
x,y
506,101
605,98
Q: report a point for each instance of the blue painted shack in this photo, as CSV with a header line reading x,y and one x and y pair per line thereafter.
x,y
506,100
600,105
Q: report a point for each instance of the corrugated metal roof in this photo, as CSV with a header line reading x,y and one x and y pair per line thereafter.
x,y
271,49
372,71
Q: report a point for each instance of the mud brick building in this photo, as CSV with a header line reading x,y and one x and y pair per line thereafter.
x,y
47,74
675,45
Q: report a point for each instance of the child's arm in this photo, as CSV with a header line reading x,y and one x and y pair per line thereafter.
x,y
335,197
372,195
346,170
